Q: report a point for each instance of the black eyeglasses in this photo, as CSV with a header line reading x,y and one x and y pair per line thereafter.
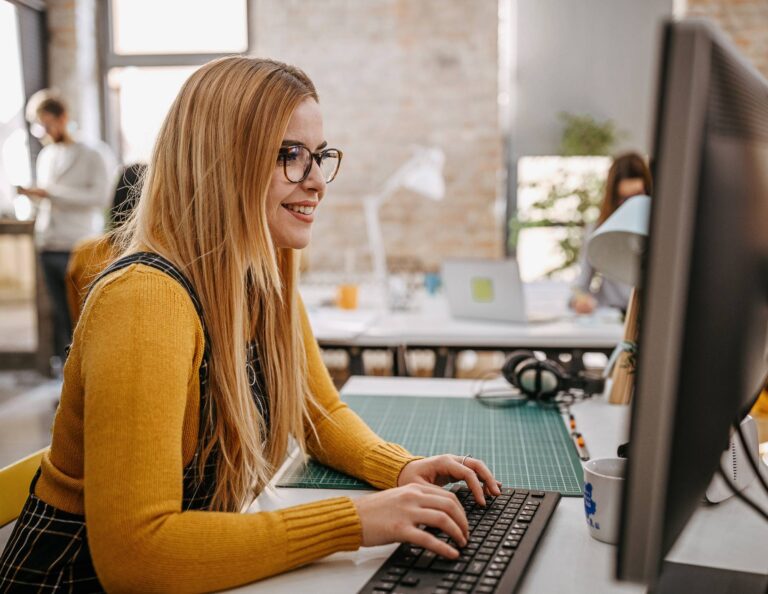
x,y
297,162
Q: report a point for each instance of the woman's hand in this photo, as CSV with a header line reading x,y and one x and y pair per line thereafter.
x,y
396,515
441,470
583,303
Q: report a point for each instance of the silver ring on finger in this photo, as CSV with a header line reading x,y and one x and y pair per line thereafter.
x,y
464,459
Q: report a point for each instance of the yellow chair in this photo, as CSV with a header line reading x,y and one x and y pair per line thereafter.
x,y
14,485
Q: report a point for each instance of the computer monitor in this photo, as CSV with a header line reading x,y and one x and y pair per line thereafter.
x,y
704,295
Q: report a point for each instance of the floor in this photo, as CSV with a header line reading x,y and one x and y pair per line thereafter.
x,y
27,398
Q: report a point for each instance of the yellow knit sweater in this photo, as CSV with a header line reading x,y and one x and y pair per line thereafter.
x,y
127,425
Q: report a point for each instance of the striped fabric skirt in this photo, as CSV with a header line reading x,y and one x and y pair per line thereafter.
x,y
48,552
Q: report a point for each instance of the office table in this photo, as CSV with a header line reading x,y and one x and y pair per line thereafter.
x,y
429,325
728,535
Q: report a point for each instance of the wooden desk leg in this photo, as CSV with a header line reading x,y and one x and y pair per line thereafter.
x,y
399,365
356,366
624,371
44,319
445,363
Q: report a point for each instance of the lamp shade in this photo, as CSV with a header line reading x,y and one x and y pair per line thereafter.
x,y
423,174
615,247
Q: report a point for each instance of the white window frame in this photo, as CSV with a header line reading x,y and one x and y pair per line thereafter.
x,y
109,58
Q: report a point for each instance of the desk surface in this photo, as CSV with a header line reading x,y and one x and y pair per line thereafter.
x,y
568,559
429,323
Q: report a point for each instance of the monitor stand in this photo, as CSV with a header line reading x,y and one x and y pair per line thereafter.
x,y
680,577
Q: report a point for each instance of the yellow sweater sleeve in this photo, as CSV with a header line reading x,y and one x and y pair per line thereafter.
x,y
141,348
343,441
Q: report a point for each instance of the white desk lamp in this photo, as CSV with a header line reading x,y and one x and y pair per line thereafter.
x,y
422,174
614,249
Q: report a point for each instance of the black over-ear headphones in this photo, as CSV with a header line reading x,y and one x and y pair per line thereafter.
x,y
544,380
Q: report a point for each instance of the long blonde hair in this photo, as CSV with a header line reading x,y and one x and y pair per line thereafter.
x,y
203,207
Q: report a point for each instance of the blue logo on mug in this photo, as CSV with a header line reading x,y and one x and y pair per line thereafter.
x,y
590,506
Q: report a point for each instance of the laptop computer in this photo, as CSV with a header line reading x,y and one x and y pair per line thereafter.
x,y
488,290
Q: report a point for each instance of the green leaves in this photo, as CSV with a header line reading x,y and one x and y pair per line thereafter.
x,y
583,135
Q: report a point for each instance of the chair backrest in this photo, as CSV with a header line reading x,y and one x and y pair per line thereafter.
x,y
14,485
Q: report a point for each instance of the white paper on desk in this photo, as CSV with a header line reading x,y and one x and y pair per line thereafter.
x,y
340,323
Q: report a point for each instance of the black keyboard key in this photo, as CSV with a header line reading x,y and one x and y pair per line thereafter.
x,y
385,585
476,568
410,581
425,560
396,571
487,550
538,494
462,587
402,558
447,565
451,576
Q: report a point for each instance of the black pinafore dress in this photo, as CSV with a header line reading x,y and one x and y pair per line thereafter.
x,y
48,548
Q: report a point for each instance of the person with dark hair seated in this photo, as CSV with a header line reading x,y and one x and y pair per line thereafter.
x,y
90,256
628,176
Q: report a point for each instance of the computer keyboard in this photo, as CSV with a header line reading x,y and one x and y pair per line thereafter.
x,y
502,539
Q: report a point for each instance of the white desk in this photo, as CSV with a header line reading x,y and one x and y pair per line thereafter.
x,y
430,325
728,535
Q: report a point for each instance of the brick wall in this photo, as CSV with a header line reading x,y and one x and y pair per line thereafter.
x,y
73,64
745,21
392,73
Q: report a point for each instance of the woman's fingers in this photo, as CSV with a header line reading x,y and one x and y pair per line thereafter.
x,y
468,475
449,505
485,474
443,521
422,538
479,472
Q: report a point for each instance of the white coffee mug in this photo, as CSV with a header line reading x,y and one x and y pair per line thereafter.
x,y
603,486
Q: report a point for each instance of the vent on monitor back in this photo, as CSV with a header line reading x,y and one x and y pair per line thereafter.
x,y
738,103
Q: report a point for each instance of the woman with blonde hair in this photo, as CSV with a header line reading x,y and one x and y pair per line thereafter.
x,y
193,362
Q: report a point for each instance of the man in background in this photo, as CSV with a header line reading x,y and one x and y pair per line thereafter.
x,y
74,185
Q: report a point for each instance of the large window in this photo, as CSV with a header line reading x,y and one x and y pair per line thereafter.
x,y
151,49
558,199
14,142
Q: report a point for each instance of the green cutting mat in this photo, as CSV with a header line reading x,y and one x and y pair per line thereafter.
x,y
525,446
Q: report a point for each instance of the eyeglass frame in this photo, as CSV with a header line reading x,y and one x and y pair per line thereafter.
x,y
314,158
